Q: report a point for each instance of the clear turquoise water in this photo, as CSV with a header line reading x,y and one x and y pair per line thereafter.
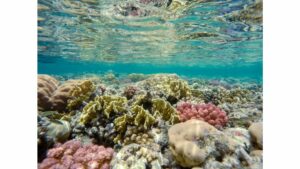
x,y
93,36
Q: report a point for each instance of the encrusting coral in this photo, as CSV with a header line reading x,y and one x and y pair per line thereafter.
x,y
103,104
206,112
195,143
73,154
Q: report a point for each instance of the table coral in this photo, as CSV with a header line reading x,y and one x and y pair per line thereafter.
x,y
206,112
73,154
46,86
195,143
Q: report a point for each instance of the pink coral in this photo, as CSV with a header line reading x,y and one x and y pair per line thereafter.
x,y
205,112
74,155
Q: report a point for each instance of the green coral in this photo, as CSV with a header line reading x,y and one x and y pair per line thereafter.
x,y
80,93
105,104
165,110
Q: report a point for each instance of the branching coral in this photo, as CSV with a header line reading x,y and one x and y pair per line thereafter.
x,y
105,104
80,93
206,112
73,154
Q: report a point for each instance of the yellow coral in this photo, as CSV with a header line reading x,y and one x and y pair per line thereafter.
x,y
165,110
170,85
142,117
121,122
80,93
107,104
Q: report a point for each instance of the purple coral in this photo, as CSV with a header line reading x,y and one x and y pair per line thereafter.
x,y
74,155
205,112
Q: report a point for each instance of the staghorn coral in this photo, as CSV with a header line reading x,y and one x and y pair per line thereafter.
x,y
205,112
103,104
73,154
80,93
164,109
196,143
46,87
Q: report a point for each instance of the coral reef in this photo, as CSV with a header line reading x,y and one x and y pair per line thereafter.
x,y
206,112
46,87
159,122
196,143
73,154
105,104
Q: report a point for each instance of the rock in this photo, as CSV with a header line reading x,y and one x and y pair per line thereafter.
x,y
256,131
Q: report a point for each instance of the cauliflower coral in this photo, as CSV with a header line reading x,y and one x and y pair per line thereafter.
x,y
74,155
205,112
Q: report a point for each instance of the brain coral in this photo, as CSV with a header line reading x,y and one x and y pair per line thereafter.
x,y
46,86
195,143
73,154
69,95
206,112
